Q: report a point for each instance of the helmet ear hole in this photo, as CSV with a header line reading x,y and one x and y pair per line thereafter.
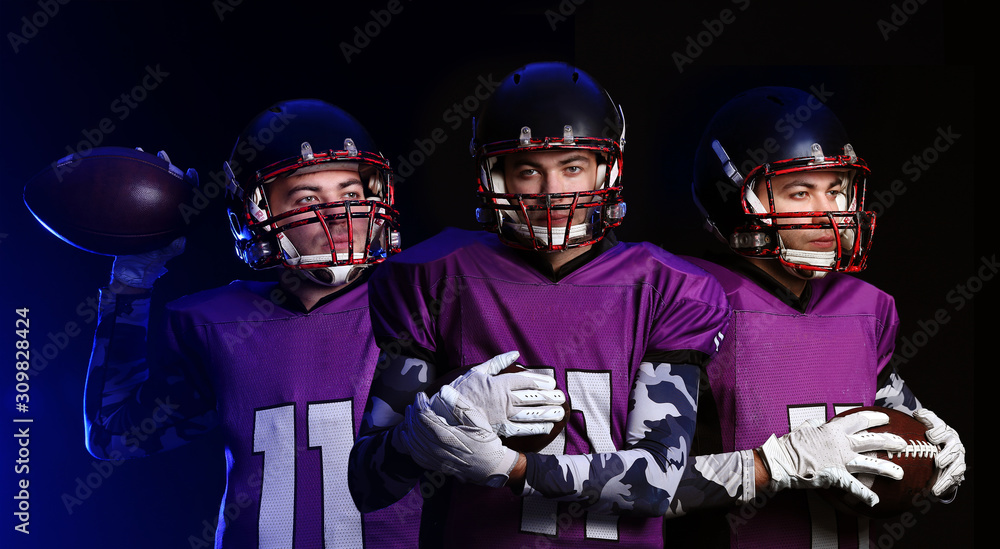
x,y
373,179
235,225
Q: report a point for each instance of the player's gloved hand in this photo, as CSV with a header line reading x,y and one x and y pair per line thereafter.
x,y
142,270
823,455
447,434
515,404
950,459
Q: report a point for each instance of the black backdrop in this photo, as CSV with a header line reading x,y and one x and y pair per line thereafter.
x,y
899,72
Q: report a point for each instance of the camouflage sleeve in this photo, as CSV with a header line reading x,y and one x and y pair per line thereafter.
x,y
134,407
643,477
894,393
719,480
714,481
379,474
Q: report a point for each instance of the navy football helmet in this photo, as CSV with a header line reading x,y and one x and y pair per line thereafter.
x,y
768,132
294,137
549,106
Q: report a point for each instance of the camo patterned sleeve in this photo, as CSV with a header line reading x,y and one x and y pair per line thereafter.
x,y
643,477
714,481
719,480
894,393
379,474
133,406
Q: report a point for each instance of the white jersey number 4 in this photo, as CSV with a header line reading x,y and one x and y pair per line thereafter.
x,y
541,516
823,517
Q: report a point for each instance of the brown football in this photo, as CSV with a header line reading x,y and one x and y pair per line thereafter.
x,y
531,443
112,200
895,496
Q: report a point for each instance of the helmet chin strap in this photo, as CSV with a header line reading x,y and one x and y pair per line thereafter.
x,y
805,274
541,232
790,258
336,275
330,276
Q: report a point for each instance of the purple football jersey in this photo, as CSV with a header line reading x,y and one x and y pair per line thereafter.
x,y
463,297
778,367
290,390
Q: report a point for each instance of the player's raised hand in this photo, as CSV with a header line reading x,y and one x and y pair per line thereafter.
x,y
447,434
824,455
514,404
950,459
142,270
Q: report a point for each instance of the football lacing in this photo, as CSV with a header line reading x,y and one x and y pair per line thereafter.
x,y
916,449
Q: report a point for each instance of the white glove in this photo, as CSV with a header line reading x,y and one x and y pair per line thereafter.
x,y
142,270
823,455
950,459
449,435
515,404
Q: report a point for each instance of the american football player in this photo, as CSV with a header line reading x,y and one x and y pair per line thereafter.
x,y
797,223
621,328
281,367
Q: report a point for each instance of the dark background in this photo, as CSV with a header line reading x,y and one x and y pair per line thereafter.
x,y
899,72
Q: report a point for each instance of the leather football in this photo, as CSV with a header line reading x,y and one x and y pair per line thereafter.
x,y
112,200
895,496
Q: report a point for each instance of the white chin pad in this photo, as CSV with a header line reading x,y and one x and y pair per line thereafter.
x,y
813,259
804,274
307,260
805,257
335,276
329,276
558,233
